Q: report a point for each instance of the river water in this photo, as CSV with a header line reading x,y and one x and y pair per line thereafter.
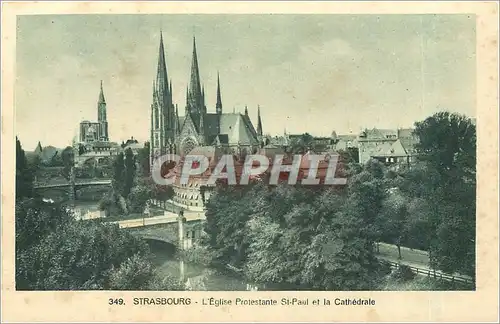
x,y
196,277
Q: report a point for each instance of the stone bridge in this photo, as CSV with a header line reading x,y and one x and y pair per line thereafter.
x,y
167,228
65,190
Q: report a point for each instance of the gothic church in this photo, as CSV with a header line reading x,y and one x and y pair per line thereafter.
x,y
174,134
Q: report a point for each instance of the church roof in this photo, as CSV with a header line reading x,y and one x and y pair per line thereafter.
x,y
234,128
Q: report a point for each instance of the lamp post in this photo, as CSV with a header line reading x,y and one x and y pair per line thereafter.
x,y
181,220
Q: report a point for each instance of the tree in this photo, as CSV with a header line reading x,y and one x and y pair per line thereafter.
x,y
446,180
137,198
394,219
138,273
227,213
448,143
143,156
24,174
35,219
130,170
119,173
79,256
302,144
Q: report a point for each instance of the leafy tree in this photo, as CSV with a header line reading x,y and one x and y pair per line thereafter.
x,y
143,158
130,171
137,198
448,143
36,219
302,144
119,173
394,219
447,146
24,174
227,212
317,243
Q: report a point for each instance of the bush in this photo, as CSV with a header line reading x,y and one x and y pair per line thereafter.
x,y
402,273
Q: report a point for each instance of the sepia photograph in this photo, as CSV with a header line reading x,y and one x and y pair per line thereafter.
x,y
246,153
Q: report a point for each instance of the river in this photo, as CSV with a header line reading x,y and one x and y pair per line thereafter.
x,y
197,277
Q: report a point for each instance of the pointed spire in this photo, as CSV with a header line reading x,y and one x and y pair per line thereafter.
x,y
39,148
161,73
101,96
218,105
246,110
259,122
195,84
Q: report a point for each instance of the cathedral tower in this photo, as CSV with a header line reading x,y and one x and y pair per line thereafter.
x,y
102,118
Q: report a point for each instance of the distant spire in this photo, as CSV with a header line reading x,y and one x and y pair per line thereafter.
x,y
218,105
259,122
39,148
101,96
246,110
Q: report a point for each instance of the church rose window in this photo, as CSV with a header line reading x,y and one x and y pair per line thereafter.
x,y
188,145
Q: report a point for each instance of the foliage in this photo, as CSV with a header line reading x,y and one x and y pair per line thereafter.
x,y
130,172
137,198
138,273
349,155
56,252
143,157
302,144
291,236
35,219
198,254
24,174
448,148
448,143
119,173
80,256
402,273
227,212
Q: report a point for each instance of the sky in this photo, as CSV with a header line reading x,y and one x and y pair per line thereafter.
x,y
308,73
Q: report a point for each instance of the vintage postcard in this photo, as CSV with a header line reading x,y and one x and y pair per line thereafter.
x,y
249,162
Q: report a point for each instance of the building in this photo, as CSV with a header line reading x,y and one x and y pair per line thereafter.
x,y
195,193
93,143
96,131
213,133
389,146
132,144
343,142
172,133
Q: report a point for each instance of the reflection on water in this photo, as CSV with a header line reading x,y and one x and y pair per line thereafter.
x,y
196,277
